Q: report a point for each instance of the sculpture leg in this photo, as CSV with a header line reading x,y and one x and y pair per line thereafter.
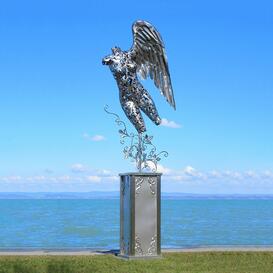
x,y
133,114
147,105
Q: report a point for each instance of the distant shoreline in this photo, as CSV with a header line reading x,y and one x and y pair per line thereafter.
x,y
115,195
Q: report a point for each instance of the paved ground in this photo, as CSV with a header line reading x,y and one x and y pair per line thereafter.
x,y
76,252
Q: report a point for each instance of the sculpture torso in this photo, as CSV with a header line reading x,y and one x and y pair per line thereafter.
x,y
132,94
124,69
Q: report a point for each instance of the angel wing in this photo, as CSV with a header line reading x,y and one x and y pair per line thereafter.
x,y
148,52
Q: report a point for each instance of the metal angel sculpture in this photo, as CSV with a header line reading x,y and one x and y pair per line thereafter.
x,y
148,59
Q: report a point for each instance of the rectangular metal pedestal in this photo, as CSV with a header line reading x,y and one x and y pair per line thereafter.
x,y
140,196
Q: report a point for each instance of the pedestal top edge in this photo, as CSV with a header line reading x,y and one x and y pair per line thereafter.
x,y
140,174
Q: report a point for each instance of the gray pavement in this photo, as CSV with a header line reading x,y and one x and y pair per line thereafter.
x,y
84,252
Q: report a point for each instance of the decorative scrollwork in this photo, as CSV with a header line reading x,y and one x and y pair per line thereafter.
x,y
138,248
138,147
152,183
152,248
139,181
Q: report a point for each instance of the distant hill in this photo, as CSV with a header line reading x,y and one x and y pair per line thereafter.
x,y
115,195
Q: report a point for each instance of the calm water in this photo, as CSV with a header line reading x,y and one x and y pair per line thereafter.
x,y
95,223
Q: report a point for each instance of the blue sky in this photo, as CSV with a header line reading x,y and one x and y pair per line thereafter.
x,y
55,135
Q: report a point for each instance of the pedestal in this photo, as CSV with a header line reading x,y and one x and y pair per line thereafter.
x,y
140,215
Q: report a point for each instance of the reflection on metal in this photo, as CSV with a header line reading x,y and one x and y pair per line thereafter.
x,y
138,249
138,147
122,245
147,58
140,216
152,248
139,181
122,186
152,183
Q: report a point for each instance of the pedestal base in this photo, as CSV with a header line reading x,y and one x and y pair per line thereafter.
x,y
140,215
125,257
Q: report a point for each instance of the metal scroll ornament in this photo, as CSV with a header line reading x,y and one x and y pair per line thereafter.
x,y
138,147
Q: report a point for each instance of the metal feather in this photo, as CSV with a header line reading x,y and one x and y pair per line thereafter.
x,y
150,53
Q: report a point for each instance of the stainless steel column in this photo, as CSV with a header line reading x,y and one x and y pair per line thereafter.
x,y
140,196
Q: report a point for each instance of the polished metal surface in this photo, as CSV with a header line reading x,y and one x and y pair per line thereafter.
x,y
140,215
148,59
125,210
138,147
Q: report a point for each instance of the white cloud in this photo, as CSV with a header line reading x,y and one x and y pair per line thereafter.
x,y
98,138
95,138
93,178
78,168
250,174
233,174
113,178
189,173
39,178
103,172
11,178
215,174
189,170
85,135
185,179
177,177
169,123
164,170
64,178
267,174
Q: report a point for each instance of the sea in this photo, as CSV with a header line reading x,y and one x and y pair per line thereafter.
x,y
91,220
